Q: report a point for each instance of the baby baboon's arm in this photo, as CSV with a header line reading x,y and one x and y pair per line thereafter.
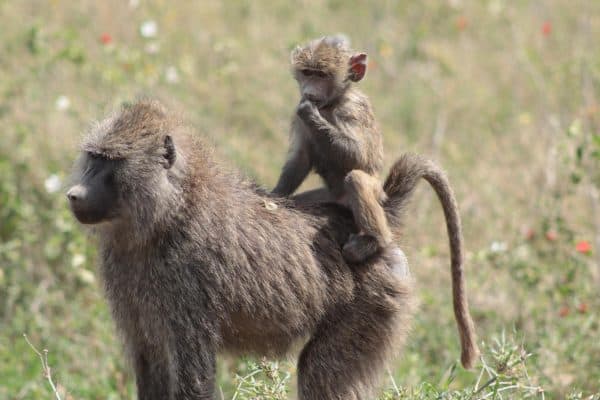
x,y
342,144
297,166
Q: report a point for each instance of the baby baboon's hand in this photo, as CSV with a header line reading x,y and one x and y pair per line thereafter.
x,y
306,109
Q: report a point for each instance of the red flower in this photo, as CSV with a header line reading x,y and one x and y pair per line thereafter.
x,y
461,23
546,28
582,308
583,247
551,235
105,38
563,311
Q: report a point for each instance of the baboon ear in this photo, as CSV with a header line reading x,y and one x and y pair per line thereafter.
x,y
358,67
169,154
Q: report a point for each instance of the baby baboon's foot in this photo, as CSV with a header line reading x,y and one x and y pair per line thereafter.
x,y
360,247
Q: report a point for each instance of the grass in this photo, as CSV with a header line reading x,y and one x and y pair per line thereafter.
x,y
503,94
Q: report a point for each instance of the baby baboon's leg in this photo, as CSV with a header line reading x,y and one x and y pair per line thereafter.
x,y
364,197
348,354
315,196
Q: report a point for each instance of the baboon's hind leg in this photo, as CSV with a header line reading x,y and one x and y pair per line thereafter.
x,y
347,355
364,197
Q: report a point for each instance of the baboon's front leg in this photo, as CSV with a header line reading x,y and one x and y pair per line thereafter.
x,y
153,373
195,369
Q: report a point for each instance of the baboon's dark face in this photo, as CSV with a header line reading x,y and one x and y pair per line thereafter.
x,y
133,187
93,199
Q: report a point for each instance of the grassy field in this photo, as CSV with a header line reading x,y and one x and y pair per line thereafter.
x,y
504,94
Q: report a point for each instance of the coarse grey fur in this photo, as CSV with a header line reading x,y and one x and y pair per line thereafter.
x,y
194,263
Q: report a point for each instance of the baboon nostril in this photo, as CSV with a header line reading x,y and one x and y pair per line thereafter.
x,y
75,193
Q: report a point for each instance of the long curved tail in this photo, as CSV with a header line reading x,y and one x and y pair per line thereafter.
x,y
399,186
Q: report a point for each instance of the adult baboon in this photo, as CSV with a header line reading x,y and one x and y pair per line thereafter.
x,y
193,263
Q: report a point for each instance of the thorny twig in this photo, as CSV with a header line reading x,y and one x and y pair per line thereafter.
x,y
496,376
45,367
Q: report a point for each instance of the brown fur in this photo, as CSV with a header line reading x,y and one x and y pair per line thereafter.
x,y
193,263
342,142
402,179
334,132
329,54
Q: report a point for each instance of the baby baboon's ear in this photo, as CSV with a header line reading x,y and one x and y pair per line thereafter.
x,y
169,154
358,67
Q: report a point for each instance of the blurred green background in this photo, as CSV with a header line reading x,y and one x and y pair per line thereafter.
x,y
504,94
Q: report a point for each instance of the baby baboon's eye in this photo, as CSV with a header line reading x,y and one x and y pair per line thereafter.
x,y
321,74
307,72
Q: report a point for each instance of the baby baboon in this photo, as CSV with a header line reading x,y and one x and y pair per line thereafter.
x,y
334,132
193,263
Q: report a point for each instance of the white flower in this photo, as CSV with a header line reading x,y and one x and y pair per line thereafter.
x,y
149,29
152,47
171,75
78,260
62,103
52,183
498,247
86,276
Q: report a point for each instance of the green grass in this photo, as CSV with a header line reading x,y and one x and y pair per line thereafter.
x,y
503,94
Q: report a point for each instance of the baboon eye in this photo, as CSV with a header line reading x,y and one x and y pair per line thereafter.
x,y
169,152
307,72
109,179
321,74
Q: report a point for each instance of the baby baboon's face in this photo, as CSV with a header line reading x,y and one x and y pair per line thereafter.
x,y
316,86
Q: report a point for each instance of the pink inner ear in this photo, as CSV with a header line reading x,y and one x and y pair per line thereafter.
x,y
358,69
